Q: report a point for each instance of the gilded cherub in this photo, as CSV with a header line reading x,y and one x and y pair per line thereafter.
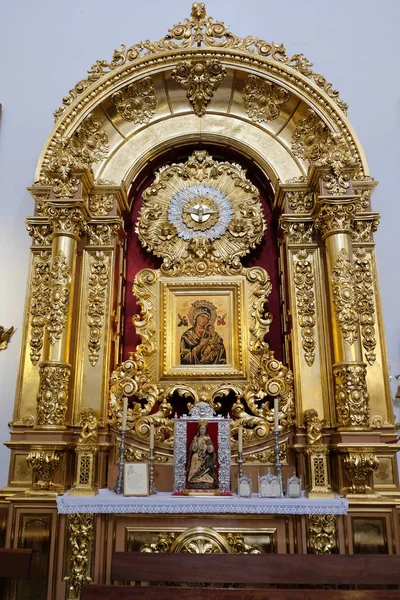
x,y
314,427
90,424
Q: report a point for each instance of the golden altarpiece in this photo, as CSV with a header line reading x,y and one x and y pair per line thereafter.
x,y
159,172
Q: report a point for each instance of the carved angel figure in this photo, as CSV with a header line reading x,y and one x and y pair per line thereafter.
x,y
89,427
314,427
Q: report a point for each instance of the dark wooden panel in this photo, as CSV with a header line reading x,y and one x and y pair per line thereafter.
x,y
15,562
116,592
257,569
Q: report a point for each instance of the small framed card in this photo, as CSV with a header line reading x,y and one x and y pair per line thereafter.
x,y
244,486
136,479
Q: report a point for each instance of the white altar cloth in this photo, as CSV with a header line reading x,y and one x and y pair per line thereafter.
x,y
164,503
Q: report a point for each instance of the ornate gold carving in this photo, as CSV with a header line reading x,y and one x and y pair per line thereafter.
x,y
300,202
201,79
364,228
199,31
65,216
268,457
359,467
5,336
59,296
314,427
52,395
201,540
69,158
137,102
41,233
81,535
98,283
39,303
86,451
297,232
335,217
44,464
101,204
238,545
344,296
164,543
263,100
311,137
305,298
103,234
365,301
351,395
240,226
132,454
321,534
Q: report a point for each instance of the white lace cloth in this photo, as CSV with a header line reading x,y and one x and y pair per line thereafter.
x,y
164,503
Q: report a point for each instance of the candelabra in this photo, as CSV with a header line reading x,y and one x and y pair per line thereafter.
x,y
240,462
118,489
278,464
153,489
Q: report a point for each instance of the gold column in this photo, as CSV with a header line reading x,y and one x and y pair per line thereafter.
x,y
333,216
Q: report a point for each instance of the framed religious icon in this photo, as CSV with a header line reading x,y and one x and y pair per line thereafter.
x,y
136,479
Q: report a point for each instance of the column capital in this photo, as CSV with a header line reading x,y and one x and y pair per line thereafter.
x,y
66,217
334,215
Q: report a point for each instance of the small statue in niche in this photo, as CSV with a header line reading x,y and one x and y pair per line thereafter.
x,y
202,462
314,427
90,424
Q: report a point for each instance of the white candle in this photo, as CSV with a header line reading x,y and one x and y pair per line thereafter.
x,y
276,414
152,437
124,412
240,439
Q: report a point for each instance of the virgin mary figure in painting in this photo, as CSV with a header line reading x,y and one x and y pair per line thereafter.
x,y
201,344
202,462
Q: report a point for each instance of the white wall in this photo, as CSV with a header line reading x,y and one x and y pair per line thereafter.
x,y
47,46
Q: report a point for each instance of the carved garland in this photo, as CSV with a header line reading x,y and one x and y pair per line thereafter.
x,y
305,298
39,303
98,283
60,286
344,298
365,302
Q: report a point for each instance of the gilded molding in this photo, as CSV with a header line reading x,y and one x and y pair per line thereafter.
x,y
359,467
53,395
136,102
103,234
66,217
300,201
39,303
304,280
321,534
334,217
96,304
132,454
81,536
263,100
44,464
5,336
365,301
363,229
268,457
297,232
199,31
351,395
59,297
344,296
68,158
201,78
41,233
101,205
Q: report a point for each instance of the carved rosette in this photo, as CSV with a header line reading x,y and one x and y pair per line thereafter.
x,y
351,395
344,296
59,297
359,467
365,302
263,100
39,303
101,205
44,464
53,395
68,158
97,296
81,535
303,278
321,534
137,102
201,78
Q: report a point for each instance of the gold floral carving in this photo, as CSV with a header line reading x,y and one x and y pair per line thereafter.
x,y
359,467
332,217
321,534
5,336
297,232
344,296
303,278
198,31
364,228
59,296
268,457
365,301
44,464
238,545
69,158
137,102
39,303
314,427
351,395
65,216
201,79
263,100
81,535
41,233
103,234
300,202
97,296
101,204
201,540
310,137
132,454
53,394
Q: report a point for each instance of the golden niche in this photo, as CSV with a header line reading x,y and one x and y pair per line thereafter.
x,y
203,320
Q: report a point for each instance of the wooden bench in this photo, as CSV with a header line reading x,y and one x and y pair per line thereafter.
x,y
15,563
283,570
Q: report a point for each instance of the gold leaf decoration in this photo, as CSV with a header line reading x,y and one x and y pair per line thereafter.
x,y
344,296
52,400
60,286
98,283
201,79
365,302
321,534
303,278
39,303
263,100
137,102
351,395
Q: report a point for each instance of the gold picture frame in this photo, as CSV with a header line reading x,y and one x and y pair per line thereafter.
x,y
136,479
